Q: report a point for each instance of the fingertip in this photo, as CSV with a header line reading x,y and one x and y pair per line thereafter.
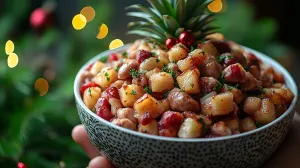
x,y
79,133
100,162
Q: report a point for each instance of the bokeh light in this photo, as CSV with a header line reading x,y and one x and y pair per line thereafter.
x,y
103,31
42,86
12,60
215,6
88,12
79,22
9,47
116,44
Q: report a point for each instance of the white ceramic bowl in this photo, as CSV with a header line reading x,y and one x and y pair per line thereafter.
x,y
131,149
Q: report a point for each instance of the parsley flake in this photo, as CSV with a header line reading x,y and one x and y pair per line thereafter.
x,y
133,92
124,54
157,60
107,77
134,73
261,89
148,90
90,92
144,131
220,84
166,93
205,129
153,54
117,68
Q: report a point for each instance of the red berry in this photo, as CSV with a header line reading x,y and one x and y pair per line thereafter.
x,y
38,18
171,42
229,60
87,85
187,38
111,92
146,118
113,57
142,55
103,110
21,165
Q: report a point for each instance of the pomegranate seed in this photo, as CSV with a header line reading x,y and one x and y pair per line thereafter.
x,y
111,92
87,85
146,118
113,57
142,55
103,109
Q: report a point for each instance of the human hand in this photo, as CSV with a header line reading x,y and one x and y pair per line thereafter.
x,y
80,136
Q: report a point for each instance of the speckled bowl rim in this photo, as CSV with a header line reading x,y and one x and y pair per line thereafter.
x,y
267,60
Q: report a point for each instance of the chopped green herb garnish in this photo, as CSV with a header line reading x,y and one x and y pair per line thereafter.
x,y
221,58
258,125
117,68
94,110
133,92
103,59
90,92
124,54
166,93
174,75
176,84
134,73
220,84
205,129
107,77
153,54
165,68
232,87
261,90
144,131
148,90
157,60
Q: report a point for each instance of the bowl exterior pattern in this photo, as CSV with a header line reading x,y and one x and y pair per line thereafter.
x,y
126,150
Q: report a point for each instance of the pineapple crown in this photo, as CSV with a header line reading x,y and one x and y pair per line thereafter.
x,y
169,18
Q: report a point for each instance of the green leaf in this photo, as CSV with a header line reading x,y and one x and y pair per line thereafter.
x,y
170,23
143,33
138,24
190,5
152,31
201,7
191,23
143,9
158,6
181,12
169,8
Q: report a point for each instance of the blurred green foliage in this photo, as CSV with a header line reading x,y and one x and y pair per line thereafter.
x,y
37,130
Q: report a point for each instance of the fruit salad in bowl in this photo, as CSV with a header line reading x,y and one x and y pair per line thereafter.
x,y
184,96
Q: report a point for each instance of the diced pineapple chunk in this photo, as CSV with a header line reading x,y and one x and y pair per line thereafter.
x,y
90,96
217,105
106,77
190,128
130,94
151,63
194,59
178,52
153,71
232,123
189,81
247,124
209,48
161,82
149,104
266,114
96,67
151,128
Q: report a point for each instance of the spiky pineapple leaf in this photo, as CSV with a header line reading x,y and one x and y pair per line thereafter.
x,y
143,9
181,11
170,23
201,7
144,33
190,5
169,8
191,23
158,6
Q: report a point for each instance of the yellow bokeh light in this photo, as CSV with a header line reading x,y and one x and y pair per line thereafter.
x,y
12,60
79,22
88,12
116,44
103,31
9,47
42,86
215,6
